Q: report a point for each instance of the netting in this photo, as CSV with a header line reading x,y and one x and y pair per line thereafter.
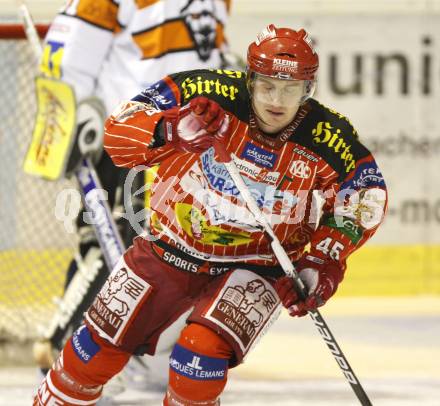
x,y
34,247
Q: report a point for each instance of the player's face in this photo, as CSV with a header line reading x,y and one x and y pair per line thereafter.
x,y
276,102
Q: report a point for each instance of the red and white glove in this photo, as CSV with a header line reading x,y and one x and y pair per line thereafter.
x,y
321,280
196,126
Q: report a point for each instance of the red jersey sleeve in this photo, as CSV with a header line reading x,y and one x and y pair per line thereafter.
x,y
353,211
129,135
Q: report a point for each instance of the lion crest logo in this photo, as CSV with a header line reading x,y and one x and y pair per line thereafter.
x,y
199,18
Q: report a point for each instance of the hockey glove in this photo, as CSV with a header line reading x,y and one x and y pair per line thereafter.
x,y
321,281
196,126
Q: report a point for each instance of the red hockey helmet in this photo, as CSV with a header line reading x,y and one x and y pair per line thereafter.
x,y
283,53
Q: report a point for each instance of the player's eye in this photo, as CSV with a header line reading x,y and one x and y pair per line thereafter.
x,y
290,89
267,88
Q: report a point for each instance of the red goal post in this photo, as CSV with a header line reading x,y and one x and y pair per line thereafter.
x,y
35,249
16,31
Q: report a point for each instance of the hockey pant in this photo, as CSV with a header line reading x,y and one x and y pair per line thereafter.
x,y
140,299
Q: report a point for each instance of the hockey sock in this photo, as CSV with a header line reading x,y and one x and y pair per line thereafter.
x,y
198,368
86,363
58,388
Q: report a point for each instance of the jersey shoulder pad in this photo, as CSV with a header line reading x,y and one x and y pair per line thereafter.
x,y
226,87
331,135
161,95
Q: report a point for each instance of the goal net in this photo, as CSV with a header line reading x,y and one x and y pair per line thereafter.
x,y
35,250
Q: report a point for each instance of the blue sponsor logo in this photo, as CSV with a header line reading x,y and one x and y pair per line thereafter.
x,y
258,155
159,95
197,366
217,174
83,345
219,179
366,175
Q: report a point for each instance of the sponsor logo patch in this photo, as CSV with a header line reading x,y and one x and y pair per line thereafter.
x,y
159,95
83,345
366,175
243,307
179,262
218,270
259,155
305,154
284,65
195,224
199,86
348,227
197,366
324,133
300,169
255,172
122,294
219,179
365,206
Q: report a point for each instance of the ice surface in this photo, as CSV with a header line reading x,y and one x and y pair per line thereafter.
x,y
393,346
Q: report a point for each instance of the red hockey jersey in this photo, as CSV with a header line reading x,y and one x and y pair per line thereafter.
x,y
197,208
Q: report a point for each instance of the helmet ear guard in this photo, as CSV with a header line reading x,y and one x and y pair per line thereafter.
x,y
310,87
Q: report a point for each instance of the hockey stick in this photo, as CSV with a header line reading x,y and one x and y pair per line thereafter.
x,y
70,306
30,30
111,246
290,271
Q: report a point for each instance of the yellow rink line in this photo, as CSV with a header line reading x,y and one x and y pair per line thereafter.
x,y
383,306
393,270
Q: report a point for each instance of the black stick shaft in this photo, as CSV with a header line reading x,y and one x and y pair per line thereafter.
x,y
339,356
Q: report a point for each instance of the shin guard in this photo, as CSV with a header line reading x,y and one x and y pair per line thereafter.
x,y
198,368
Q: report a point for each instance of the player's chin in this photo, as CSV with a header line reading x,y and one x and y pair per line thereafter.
x,y
277,123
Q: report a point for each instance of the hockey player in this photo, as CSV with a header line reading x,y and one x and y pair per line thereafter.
x,y
108,51
206,251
